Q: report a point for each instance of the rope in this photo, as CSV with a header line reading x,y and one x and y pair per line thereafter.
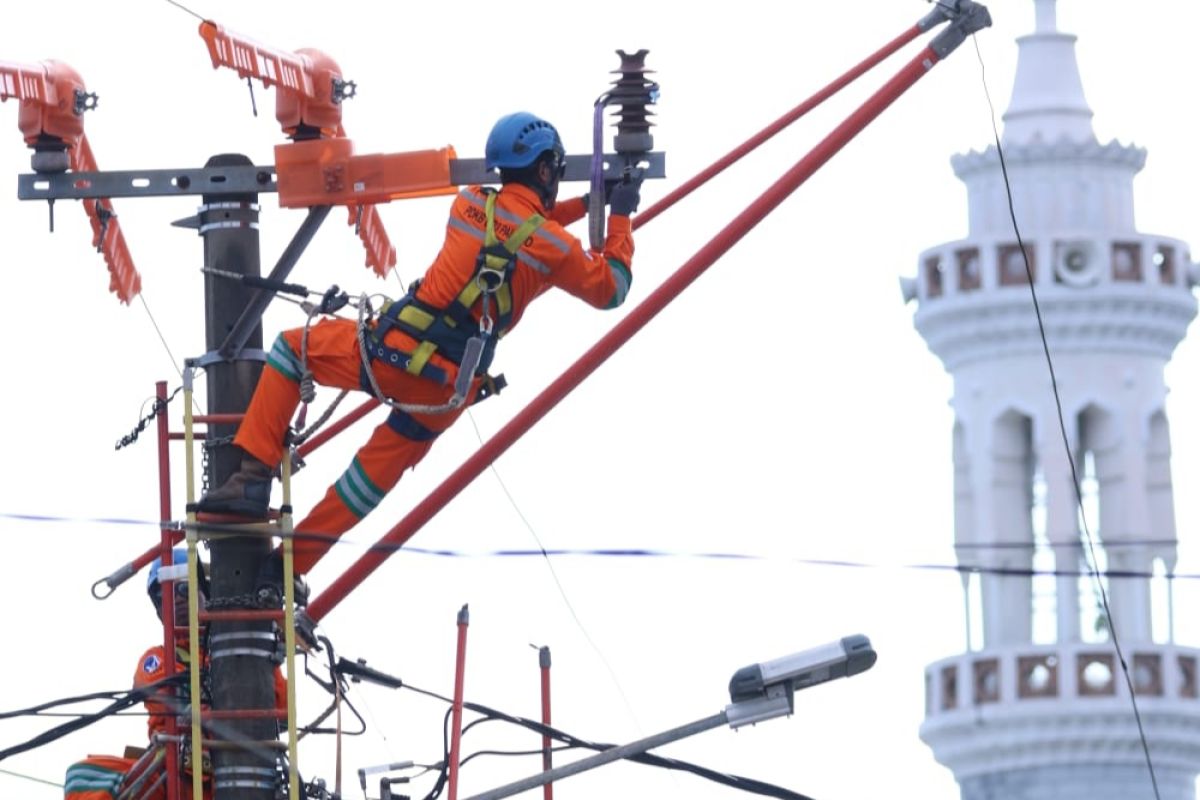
x,y
308,386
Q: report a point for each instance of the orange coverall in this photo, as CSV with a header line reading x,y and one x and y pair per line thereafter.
x,y
152,668
551,257
99,777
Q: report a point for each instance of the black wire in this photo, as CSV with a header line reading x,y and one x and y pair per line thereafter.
x,y
127,699
538,752
334,685
1062,426
444,766
736,781
66,701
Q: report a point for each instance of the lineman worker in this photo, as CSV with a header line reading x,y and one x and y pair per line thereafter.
x,y
152,666
421,341
103,777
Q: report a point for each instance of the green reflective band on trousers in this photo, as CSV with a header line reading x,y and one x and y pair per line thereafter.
x,y
88,777
357,491
284,360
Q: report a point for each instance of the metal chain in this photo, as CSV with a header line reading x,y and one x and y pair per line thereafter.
x,y
205,448
250,600
160,407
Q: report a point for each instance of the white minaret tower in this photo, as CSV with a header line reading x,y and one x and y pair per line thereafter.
x,y
1039,708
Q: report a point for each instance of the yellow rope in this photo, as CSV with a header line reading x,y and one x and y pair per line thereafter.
x,y
197,658
289,622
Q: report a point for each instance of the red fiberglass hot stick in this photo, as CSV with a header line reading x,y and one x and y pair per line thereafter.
x,y
965,18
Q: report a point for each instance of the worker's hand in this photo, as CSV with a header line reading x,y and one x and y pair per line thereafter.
x,y
608,188
625,196
609,185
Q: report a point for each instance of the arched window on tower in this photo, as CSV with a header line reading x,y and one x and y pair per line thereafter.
x,y
1096,437
1127,261
1164,261
1011,260
969,276
1045,604
1007,592
934,285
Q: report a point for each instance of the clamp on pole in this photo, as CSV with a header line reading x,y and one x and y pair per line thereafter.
x,y
965,17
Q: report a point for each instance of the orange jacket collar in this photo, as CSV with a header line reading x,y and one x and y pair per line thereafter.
x,y
525,195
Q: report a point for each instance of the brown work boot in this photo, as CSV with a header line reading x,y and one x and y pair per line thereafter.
x,y
246,492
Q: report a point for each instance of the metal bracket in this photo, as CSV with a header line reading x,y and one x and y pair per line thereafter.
x,y
215,357
967,17
470,171
147,183
748,712
259,179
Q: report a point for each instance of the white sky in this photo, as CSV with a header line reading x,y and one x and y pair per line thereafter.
x,y
784,407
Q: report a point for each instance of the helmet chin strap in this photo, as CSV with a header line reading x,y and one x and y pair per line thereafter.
x,y
548,191
548,197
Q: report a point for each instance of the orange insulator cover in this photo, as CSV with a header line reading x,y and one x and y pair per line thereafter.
x,y
318,110
47,94
303,79
326,172
107,237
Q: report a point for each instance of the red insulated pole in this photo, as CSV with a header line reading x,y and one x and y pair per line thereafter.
x,y
460,668
751,144
166,544
525,419
547,758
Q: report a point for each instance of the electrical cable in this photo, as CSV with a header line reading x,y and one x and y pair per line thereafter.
x,y
1090,558
462,762
30,778
736,781
83,698
188,10
558,583
489,714
126,699
154,322
333,685
610,553
352,542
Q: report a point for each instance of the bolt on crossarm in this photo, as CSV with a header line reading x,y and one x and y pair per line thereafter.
x,y
970,18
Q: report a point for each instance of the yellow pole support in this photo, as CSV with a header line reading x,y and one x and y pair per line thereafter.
x,y
289,621
195,657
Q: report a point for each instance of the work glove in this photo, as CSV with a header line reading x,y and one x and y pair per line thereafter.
x,y
608,187
625,197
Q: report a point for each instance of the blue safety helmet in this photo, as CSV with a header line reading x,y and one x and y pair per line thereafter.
x,y
518,139
178,556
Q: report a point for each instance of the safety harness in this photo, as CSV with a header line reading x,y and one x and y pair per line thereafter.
x,y
448,331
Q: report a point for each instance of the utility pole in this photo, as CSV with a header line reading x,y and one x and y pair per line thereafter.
x,y
240,653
